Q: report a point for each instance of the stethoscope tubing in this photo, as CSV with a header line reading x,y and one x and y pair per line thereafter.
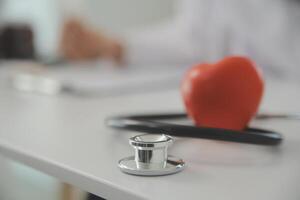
x,y
150,124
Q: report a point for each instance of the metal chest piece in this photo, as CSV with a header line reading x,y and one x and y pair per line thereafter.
x,y
151,157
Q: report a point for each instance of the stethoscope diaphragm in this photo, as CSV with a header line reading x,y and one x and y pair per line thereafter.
x,y
151,157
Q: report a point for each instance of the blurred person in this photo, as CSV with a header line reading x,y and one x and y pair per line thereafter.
x,y
202,31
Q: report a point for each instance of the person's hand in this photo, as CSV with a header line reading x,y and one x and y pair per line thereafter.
x,y
80,42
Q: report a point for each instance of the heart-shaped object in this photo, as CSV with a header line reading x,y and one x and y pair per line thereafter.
x,y
223,95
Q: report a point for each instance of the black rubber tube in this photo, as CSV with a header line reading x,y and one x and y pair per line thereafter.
x,y
150,124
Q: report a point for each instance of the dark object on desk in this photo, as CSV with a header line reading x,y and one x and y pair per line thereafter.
x,y
94,197
153,124
16,42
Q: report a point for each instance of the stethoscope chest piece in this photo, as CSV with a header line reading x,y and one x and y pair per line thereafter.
x,y
151,157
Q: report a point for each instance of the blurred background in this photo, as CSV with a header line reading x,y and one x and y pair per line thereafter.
x,y
37,25
44,18
34,33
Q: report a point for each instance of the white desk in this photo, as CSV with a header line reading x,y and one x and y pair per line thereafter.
x,y
66,138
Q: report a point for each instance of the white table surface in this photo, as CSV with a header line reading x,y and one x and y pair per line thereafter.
x,y
66,137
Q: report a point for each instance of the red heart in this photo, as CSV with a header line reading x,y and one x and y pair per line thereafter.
x,y
223,95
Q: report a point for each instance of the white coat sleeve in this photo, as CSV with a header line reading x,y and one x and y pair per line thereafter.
x,y
207,30
171,43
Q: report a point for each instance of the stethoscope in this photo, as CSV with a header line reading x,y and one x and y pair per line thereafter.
x,y
151,124
151,158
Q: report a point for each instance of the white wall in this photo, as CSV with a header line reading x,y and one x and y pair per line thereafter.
x,y
125,14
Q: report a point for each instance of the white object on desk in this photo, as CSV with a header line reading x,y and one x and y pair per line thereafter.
x,y
88,80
